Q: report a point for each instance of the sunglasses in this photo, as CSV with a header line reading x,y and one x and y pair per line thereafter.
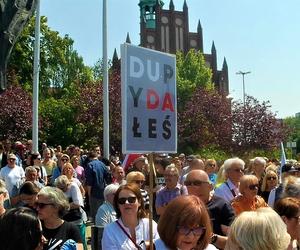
x,y
130,200
139,181
197,231
64,159
42,205
271,178
195,183
253,187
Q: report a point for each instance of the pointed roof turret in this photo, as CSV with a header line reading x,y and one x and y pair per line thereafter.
x,y
199,27
185,7
213,48
225,67
128,38
115,60
115,56
171,6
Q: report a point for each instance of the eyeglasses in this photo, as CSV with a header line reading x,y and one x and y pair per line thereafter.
x,y
64,159
130,200
41,205
253,187
197,231
139,181
271,178
195,183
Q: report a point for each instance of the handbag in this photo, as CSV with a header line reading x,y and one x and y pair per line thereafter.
x,y
73,215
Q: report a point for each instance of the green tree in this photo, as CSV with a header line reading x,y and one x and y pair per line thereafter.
x,y
60,64
293,123
192,72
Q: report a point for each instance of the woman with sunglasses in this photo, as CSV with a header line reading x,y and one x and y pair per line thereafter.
x,y
138,178
185,225
269,182
51,205
131,230
248,200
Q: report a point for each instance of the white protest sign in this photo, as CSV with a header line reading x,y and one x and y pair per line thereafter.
x,y
149,107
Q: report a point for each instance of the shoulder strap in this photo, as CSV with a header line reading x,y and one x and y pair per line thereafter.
x,y
233,193
138,247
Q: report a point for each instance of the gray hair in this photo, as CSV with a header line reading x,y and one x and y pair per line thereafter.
x,y
62,182
110,189
57,198
229,162
291,187
30,169
259,160
251,229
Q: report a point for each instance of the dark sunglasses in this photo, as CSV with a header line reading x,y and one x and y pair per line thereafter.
x,y
64,159
253,187
139,181
130,200
271,178
195,183
197,231
42,205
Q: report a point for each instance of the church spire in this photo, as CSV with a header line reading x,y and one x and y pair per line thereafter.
x,y
171,6
200,36
128,38
185,7
115,60
225,67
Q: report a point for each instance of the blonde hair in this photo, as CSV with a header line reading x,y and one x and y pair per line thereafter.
x,y
262,229
246,180
268,173
133,175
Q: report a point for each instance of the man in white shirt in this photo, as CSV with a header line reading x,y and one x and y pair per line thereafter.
x,y
11,174
234,170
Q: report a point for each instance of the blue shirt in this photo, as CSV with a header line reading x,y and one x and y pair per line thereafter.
x,y
165,195
97,177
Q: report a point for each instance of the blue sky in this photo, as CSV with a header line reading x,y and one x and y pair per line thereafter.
x,y
258,36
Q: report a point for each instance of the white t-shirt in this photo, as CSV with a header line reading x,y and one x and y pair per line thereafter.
x,y
74,193
11,176
114,238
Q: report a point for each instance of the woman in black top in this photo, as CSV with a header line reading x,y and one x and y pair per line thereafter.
x,y
51,206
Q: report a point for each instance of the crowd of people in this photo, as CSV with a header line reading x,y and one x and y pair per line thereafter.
x,y
48,198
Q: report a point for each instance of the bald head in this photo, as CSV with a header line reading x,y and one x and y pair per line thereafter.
x,y
197,164
197,183
197,174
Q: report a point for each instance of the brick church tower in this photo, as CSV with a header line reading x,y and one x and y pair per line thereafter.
x,y
168,31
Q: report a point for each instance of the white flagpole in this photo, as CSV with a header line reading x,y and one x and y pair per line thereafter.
x,y
105,86
282,160
36,71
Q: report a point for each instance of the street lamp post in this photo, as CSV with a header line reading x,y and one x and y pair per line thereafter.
x,y
243,74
